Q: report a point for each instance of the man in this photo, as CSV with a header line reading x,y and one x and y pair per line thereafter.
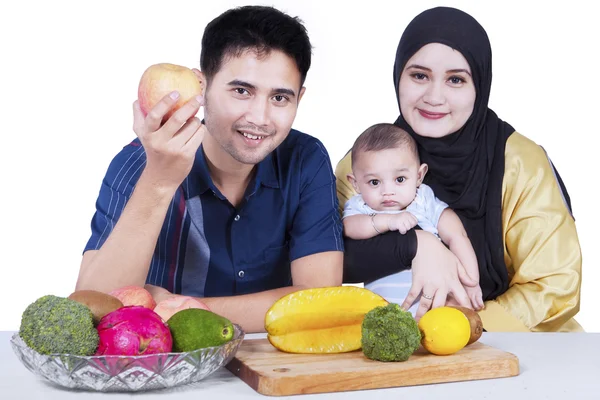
x,y
219,211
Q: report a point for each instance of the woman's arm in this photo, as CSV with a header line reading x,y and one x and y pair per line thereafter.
x,y
542,250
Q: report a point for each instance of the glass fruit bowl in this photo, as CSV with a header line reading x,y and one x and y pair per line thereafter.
x,y
127,373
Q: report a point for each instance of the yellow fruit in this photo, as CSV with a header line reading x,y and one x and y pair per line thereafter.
x,y
339,339
320,320
444,330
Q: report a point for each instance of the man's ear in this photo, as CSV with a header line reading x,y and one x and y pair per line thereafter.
x,y
302,90
353,182
421,174
201,78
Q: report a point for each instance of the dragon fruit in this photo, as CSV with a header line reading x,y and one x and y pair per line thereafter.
x,y
133,331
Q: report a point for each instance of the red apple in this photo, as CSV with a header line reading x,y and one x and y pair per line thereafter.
x,y
169,306
134,296
161,79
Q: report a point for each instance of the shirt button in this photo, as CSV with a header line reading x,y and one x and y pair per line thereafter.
x,y
237,217
241,274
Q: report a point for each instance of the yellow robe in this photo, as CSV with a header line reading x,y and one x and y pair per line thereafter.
x,y
541,247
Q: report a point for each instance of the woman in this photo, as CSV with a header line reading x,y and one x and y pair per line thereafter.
x,y
505,190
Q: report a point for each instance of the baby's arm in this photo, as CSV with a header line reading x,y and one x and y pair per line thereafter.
x,y
452,232
366,226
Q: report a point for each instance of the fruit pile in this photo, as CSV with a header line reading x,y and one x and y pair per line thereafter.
x,y
125,322
347,318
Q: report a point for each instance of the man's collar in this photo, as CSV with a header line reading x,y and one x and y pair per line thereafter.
x,y
199,180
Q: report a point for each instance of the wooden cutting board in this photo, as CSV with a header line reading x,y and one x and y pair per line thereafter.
x,y
275,373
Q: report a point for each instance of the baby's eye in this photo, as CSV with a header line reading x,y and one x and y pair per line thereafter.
x,y
374,182
400,179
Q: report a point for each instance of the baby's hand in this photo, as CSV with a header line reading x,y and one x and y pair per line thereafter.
x,y
475,295
402,222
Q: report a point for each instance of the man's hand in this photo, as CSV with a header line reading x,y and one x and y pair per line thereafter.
x,y
170,148
402,222
158,293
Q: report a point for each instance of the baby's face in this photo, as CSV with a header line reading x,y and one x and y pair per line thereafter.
x,y
387,179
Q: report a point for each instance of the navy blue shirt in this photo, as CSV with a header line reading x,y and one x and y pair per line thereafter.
x,y
209,248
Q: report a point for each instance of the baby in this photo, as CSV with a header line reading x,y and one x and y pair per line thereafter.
x,y
387,175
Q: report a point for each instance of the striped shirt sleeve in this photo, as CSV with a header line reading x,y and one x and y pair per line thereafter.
x,y
116,189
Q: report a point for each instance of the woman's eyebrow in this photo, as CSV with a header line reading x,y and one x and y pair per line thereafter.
x,y
454,71
418,67
450,71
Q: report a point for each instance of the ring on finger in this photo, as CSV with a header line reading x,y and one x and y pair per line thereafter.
x,y
423,295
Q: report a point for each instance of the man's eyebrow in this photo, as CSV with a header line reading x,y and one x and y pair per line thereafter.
x,y
450,71
247,85
237,82
289,92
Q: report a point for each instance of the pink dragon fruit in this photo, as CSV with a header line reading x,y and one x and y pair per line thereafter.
x,y
133,331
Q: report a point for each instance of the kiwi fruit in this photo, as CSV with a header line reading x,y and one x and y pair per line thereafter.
x,y
474,321
99,303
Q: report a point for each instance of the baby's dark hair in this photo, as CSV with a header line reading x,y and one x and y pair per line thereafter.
x,y
383,136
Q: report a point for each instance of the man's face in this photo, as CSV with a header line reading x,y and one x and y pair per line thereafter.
x,y
251,104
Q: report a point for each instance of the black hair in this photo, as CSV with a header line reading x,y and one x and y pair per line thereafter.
x,y
384,136
258,28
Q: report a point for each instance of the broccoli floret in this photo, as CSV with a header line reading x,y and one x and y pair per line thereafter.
x,y
389,334
52,325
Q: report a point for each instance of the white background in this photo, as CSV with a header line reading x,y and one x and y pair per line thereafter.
x,y
69,73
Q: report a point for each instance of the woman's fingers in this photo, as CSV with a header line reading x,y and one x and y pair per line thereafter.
x,y
460,294
426,301
440,298
411,297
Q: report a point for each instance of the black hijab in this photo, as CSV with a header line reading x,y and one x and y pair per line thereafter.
x,y
466,168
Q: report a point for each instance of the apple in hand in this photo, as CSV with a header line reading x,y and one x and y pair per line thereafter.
x,y
160,80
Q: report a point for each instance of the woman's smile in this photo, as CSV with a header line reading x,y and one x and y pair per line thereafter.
x,y
431,115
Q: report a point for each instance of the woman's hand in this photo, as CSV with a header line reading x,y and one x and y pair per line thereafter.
x,y
437,273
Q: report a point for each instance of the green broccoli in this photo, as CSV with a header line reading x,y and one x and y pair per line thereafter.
x,y
389,334
52,325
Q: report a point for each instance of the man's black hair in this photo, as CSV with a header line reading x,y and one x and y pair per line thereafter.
x,y
257,28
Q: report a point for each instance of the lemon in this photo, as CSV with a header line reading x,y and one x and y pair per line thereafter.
x,y
444,330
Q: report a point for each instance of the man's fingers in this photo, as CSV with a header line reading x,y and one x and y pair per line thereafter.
x,y
155,116
181,116
138,119
195,140
185,133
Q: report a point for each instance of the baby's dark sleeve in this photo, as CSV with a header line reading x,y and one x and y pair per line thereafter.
x,y
366,260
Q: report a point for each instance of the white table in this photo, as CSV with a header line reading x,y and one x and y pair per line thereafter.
x,y
553,366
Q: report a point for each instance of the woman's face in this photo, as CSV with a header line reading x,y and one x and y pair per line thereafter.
x,y
436,91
